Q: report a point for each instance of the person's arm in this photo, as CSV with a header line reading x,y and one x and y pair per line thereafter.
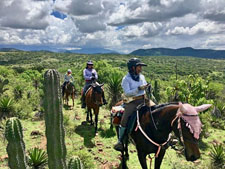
x,y
96,75
65,78
86,77
126,88
72,78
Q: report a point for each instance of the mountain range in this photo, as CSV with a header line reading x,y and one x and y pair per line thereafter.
x,y
188,51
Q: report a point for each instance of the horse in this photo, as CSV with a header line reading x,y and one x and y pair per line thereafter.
x,y
154,126
69,91
93,101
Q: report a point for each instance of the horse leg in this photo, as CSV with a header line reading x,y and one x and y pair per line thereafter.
x,y
126,148
124,165
91,117
87,118
96,124
142,160
159,159
73,99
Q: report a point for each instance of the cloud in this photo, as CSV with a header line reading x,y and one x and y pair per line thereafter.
x,y
200,28
21,14
153,11
117,25
85,7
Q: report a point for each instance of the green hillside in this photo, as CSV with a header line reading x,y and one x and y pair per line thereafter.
x,y
192,80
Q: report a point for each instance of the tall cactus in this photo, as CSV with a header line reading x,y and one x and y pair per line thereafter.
x,y
156,91
75,163
16,146
55,134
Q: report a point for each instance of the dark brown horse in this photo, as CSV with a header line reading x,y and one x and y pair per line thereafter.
x,y
93,101
152,134
69,91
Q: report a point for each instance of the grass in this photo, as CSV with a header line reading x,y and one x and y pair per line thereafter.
x,y
81,141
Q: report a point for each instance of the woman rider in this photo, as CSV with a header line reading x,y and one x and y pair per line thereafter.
x,y
134,85
90,75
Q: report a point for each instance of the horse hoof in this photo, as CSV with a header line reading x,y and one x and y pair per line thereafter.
x,y
92,123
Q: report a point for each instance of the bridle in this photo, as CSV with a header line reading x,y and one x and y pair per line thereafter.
x,y
178,116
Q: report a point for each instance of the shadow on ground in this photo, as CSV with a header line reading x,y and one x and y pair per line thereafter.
x,y
86,131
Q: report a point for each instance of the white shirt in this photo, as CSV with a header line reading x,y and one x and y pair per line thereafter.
x,y
130,86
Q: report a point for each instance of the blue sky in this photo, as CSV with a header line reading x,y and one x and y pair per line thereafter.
x,y
121,26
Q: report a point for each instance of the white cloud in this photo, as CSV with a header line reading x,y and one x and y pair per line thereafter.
x,y
122,26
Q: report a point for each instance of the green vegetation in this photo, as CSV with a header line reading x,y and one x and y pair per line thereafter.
x,y
55,134
217,155
75,163
23,95
16,146
37,158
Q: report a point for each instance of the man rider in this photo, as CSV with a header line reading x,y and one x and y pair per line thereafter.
x,y
90,75
67,78
134,85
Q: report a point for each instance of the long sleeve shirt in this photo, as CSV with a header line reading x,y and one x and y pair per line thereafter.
x,y
68,78
87,73
130,86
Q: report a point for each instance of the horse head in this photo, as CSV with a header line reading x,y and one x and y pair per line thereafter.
x,y
97,93
187,127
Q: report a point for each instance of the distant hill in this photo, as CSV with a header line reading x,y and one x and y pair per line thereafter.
x,y
13,48
9,50
203,53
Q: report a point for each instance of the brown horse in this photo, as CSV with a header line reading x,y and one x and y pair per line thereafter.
x,y
93,101
69,91
152,134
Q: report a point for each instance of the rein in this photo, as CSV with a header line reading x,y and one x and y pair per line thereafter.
x,y
149,139
178,116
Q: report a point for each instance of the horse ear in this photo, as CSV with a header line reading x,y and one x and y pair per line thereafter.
x,y
203,107
182,108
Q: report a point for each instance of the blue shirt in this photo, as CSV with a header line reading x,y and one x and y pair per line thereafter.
x,y
130,86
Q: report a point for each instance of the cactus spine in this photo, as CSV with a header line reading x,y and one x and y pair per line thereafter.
x,y
75,163
55,134
16,146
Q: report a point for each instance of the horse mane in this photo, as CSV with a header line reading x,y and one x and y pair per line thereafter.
x,y
156,108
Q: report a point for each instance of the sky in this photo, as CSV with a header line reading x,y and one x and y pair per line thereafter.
x,y
121,26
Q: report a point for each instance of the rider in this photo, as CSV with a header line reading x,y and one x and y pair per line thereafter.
x,y
67,78
90,76
134,85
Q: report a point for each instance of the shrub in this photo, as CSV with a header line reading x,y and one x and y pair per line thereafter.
x,y
217,155
37,158
6,107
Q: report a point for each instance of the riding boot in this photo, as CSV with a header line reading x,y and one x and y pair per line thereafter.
x,y
83,101
103,98
119,145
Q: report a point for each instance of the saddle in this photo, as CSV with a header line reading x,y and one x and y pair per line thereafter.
x,y
117,113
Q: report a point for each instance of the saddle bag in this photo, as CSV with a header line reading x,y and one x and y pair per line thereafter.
x,y
117,113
